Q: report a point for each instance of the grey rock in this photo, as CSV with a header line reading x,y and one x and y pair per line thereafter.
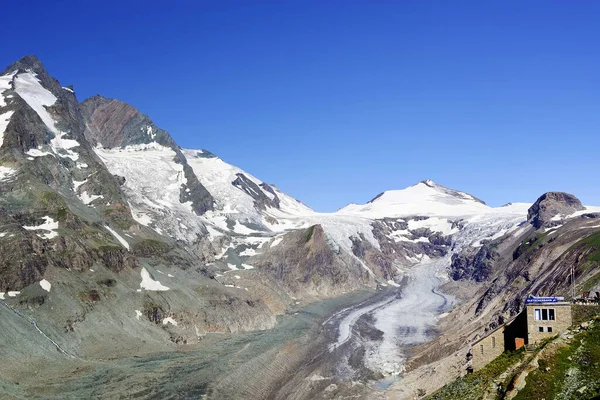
x,y
551,204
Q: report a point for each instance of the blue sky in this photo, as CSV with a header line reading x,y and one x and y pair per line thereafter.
x,y
336,101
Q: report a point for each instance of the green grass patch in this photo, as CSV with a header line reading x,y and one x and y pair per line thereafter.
x,y
108,282
309,233
530,245
150,247
583,313
572,372
593,242
591,283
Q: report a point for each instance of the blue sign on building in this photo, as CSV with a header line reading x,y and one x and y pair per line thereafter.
x,y
534,299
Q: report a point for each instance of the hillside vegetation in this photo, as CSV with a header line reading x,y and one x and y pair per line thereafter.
x,y
565,368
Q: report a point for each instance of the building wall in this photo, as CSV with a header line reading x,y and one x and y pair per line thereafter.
x,y
487,348
562,321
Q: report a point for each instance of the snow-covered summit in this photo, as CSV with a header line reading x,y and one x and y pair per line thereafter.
x,y
426,198
240,196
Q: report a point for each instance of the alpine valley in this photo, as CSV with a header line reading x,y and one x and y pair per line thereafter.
x,y
133,268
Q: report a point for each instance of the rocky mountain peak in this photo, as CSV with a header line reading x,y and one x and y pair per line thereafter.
x,y
551,204
113,123
27,63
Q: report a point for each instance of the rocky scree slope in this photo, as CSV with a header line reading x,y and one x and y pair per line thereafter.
x,y
75,260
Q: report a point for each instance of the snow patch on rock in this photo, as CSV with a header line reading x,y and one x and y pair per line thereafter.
x,y
118,237
45,285
6,172
169,320
50,225
148,283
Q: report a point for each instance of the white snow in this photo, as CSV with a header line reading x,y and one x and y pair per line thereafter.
x,y
5,81
169,320
13,294
1,295
45,285
153,184
246,266
149,132
50,225
421,199
138,314
150,284
248,252
276,241
28,86
217,176
231,267
60,143
76,184
118,237
38,153
87,199
68,89
6,172
242,229
434,224
4,120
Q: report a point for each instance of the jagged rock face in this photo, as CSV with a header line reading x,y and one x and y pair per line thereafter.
x,y
550,205
399,242
261,200
476,267
114,124
305,263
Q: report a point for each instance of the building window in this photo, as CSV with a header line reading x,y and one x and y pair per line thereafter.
x,y
481,348
544,314
549,329
540,329
493,342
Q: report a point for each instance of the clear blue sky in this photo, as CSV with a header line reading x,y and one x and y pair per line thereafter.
x,y
336,101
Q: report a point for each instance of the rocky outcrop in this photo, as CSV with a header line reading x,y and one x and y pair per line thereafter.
x,y
550,205
476,267
261,200
305,264
399,242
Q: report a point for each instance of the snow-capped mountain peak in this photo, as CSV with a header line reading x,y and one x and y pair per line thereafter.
x,y
424,198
